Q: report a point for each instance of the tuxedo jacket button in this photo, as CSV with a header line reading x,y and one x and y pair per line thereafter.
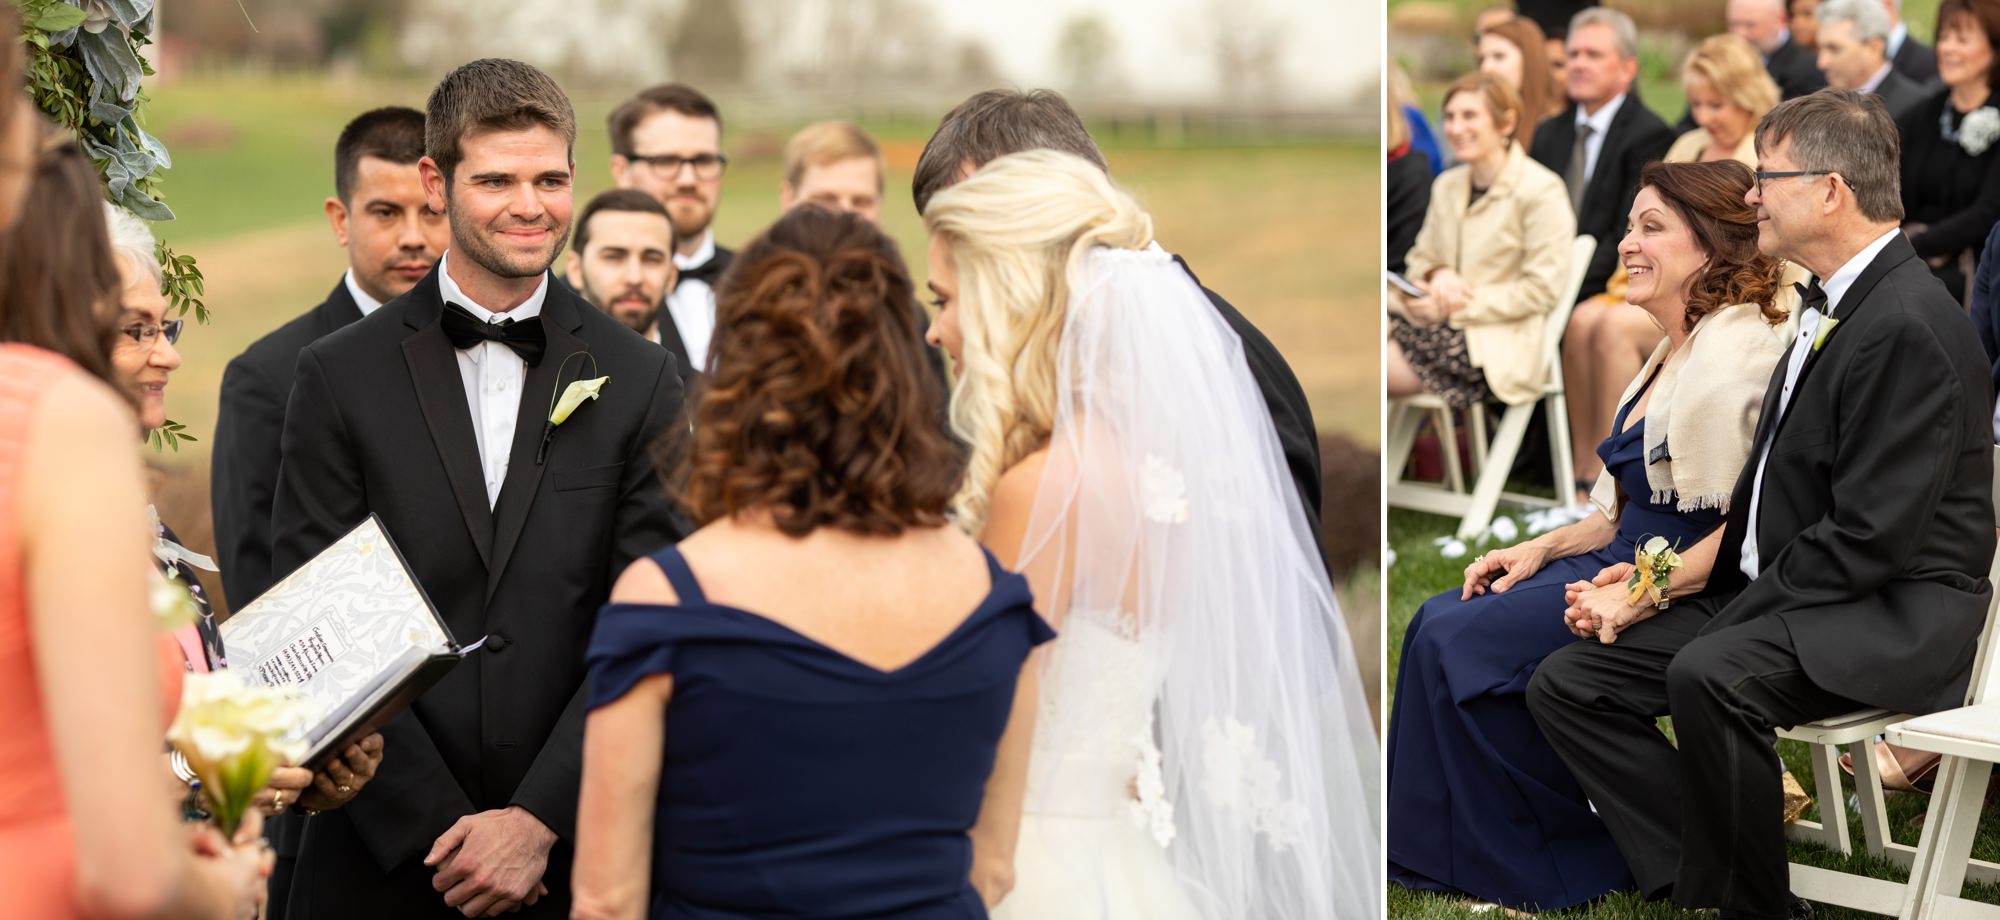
x,y
496,643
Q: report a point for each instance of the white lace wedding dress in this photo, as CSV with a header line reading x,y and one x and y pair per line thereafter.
x,y
1096,826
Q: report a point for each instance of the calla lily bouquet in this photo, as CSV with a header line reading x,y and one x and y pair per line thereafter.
x,y
562,405
1654,562
234,735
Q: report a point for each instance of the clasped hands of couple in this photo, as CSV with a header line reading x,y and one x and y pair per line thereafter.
x,y
1596,609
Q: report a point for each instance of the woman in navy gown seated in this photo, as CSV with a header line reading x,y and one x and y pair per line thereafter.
x,y
812,704
1479,805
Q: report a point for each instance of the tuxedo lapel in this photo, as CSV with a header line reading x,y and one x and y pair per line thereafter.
x,y
560,320
1856,297
440,389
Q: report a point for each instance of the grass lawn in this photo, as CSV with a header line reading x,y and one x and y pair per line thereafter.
x,y
1419,572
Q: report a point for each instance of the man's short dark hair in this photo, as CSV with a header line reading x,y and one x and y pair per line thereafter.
x,y
493,94
1849,133
995,123
621,199
667,97
394,133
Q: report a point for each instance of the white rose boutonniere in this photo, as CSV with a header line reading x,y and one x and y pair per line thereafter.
x,y
1979,130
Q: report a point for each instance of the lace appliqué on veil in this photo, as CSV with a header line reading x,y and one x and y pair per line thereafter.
x,y
1153,812
1244,782
1164,491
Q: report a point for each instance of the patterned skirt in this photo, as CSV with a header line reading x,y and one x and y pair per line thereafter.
x,y
1437,354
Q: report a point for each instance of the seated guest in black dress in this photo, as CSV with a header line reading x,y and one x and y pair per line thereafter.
x,y
1479,804
1951,146
793,711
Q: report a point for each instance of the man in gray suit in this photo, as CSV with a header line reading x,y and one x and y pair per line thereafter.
x,y
1854,54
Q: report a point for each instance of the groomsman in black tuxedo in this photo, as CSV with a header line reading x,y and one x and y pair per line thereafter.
x,y
995,123
430,413
393,239
622,259
1851,570
667,142
1599,144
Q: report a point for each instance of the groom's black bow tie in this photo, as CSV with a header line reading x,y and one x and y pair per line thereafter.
x,y
465,330
1812,296
706,273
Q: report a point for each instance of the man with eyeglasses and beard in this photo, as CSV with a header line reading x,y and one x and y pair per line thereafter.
x,y
667,142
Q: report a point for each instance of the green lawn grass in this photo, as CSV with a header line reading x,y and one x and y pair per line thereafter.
x,y
1420,572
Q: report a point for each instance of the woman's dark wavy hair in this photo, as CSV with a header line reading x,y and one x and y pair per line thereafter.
x,y
58,275
1709,198
821,406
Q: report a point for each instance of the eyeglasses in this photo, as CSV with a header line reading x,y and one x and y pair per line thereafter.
x,y
148,336
1790,173
706,165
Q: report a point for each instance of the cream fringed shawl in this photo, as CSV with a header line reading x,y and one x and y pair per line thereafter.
x,y
1703,410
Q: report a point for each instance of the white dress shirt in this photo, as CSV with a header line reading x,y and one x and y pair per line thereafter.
x,y
1809,321
493,376
692,304
361,299
1600,124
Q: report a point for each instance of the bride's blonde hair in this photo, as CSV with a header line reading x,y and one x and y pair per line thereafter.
x,y
1017,231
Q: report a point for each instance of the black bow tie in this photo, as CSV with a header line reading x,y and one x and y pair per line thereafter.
x,y
706,273
1812,296
525,337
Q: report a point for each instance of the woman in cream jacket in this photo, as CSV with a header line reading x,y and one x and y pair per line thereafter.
x,y
1492,258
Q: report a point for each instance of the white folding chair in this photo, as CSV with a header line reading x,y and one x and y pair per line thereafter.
x,y
1493,458
1969,739
1856,731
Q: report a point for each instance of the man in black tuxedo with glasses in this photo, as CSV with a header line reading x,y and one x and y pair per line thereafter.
x,y
431,413
667,142
1851,570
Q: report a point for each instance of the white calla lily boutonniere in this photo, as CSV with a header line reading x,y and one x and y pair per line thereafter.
x,y
565,403
1825,329
573,396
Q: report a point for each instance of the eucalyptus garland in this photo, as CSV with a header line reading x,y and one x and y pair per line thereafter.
x,y
84,71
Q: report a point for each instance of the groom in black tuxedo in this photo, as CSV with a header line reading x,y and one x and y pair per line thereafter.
x,y
430,413
1851,570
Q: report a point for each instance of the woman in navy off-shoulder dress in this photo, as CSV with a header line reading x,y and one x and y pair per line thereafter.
x,y
814,704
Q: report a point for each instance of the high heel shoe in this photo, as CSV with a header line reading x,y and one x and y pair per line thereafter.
x,y
1894,776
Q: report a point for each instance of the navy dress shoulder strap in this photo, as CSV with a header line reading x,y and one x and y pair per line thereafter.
x,y
673,565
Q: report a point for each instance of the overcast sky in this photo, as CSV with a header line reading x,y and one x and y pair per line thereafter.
x,y
1329,50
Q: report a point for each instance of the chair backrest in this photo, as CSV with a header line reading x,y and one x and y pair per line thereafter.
x,y
1985,662
1558,318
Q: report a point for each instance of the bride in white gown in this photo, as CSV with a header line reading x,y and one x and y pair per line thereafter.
x,y
1202,748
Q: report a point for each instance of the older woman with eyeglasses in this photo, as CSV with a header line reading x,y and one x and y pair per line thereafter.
x,y
143,357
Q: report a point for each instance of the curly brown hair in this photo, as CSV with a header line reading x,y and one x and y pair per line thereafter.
x,y
1709,197
821,407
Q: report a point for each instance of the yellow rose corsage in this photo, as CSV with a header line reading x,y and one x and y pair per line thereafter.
x,y
1654,562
